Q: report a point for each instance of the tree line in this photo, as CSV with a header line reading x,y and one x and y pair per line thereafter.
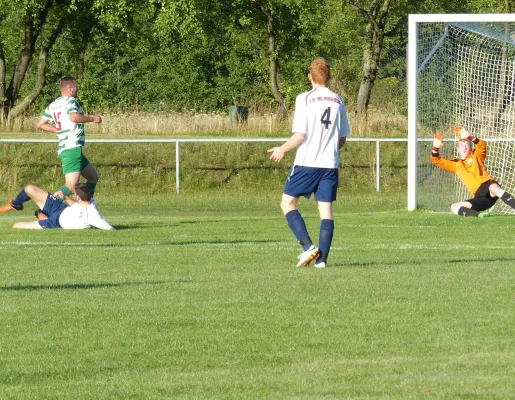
x,y
203,55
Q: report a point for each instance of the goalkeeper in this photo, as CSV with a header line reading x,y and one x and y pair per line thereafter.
x,y
470,168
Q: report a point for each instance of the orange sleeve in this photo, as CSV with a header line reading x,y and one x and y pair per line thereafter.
x,y
448,165
480,150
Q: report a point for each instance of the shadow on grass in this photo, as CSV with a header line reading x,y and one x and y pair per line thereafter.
x,y
139,244
435,262
78,286
152,225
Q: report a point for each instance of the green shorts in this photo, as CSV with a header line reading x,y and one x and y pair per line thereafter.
x,y
73,160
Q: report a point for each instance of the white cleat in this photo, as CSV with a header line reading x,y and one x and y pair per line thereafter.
x,y
320,265
309,255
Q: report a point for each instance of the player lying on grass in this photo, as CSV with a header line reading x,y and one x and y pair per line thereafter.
x,y
53,213
470,168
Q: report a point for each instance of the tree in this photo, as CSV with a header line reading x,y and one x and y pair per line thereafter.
x,y
375,15
44,22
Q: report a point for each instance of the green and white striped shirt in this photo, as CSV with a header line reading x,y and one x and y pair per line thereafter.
x,y
69,133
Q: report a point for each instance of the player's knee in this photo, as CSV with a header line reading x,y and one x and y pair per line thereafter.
x,y
286,207
90,174
494,189
93,177
455,208
30,189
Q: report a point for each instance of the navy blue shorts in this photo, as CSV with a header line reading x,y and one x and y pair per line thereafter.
x,y
302,181
53,209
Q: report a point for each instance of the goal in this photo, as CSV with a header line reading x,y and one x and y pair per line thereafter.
x,y
461,71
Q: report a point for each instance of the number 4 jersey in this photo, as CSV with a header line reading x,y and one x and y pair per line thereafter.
x,y
322,116
69,133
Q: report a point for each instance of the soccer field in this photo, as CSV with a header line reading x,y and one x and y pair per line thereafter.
x,y
199,297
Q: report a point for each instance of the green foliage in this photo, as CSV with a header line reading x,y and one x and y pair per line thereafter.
x,y
205,56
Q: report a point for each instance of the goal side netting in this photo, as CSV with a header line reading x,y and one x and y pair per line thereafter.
x,y
465,76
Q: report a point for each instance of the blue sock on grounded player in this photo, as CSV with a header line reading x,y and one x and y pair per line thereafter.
x,y
325,238
92,186
21,198
298,227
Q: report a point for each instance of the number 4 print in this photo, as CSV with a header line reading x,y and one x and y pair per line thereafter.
x,y
326,117
56,120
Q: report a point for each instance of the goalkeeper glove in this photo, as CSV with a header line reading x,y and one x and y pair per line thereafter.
x,y
437,142
462,133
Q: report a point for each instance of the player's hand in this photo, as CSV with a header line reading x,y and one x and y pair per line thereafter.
x,y
461,133
438,140
60,194
97,119
277,154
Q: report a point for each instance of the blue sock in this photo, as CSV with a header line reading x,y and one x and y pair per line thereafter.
x,y
325,238
298,227
21,198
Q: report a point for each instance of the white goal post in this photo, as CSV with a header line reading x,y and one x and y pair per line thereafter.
x,y
461,71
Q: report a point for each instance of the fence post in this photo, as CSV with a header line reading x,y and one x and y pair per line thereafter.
x,y
378,163
177,163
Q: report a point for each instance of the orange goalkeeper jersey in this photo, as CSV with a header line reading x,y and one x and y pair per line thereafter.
x,y
471,171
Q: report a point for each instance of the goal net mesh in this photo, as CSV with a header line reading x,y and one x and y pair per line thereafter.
x,y
465,77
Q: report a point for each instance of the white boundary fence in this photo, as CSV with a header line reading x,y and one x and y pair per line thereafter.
x,y
232,140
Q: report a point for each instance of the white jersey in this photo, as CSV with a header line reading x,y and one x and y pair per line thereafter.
x,y
69,133
80,217
322,116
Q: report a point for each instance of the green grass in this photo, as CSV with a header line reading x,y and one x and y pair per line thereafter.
x,y
198,296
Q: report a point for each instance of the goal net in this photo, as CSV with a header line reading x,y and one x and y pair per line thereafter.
x,y
465,75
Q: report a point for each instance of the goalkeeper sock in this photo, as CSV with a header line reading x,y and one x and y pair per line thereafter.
x,y
325,238
92,186
508,199
21,198
467,212
298,227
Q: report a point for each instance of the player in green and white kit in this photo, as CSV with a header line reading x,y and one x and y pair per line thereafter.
x,y
64,117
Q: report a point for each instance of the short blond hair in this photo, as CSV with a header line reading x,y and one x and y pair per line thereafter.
x,y
470,144
320,71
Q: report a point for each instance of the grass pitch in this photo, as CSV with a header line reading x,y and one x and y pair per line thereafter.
x,y
198,296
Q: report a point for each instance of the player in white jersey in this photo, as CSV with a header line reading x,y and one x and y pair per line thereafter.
x,y
64,117
76,214
320,128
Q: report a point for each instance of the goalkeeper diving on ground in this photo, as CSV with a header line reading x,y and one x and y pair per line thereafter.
x,y
470,168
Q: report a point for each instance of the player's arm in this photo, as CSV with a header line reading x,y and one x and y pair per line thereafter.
x,y
279,151
81,119
45,125
66,198
341,142
96,220
435,158
479,148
